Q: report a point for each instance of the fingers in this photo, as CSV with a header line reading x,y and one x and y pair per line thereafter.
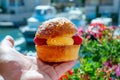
x,y
40,63
32,59
64,67
32,75
8,41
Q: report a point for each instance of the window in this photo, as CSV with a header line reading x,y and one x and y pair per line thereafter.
x,y
92,2
12,2
20,2
106,2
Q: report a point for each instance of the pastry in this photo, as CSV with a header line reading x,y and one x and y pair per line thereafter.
x,y
56,40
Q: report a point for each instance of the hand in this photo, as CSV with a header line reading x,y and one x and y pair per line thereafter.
x,y
15,66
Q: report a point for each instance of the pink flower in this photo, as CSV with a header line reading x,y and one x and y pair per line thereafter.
x,y
88,37
117,70
108,64
114,27
80,31
95,35
110,78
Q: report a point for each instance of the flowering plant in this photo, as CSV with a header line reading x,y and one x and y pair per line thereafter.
x,y
99,55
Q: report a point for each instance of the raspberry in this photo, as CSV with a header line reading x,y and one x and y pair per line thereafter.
x,y
77,40
39,41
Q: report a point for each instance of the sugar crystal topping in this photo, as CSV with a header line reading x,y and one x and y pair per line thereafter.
x,y
55,22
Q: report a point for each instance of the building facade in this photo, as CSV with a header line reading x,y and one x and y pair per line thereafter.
x,y
19,10
106,8
67,2
19,6
104,5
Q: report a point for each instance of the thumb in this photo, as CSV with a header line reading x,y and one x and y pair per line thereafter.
x,y
8,41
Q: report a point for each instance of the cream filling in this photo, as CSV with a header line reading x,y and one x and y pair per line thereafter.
x,y
63,40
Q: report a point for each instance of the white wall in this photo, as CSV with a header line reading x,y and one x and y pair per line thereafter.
x,y
116,5
107,8
45,2
14,18
30,4
111,9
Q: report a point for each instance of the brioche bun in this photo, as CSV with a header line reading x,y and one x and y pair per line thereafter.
x,y
52,28
56,27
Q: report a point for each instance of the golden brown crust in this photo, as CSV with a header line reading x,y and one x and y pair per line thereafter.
x,y
56,27
57,53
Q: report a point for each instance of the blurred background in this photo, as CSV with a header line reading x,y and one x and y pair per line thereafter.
x,y
21,18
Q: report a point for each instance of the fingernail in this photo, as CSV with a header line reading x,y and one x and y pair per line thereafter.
x,y
8,36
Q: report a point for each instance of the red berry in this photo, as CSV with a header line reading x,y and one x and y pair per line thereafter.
x,y
39,41
110,78
63,77
70,72
77,40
